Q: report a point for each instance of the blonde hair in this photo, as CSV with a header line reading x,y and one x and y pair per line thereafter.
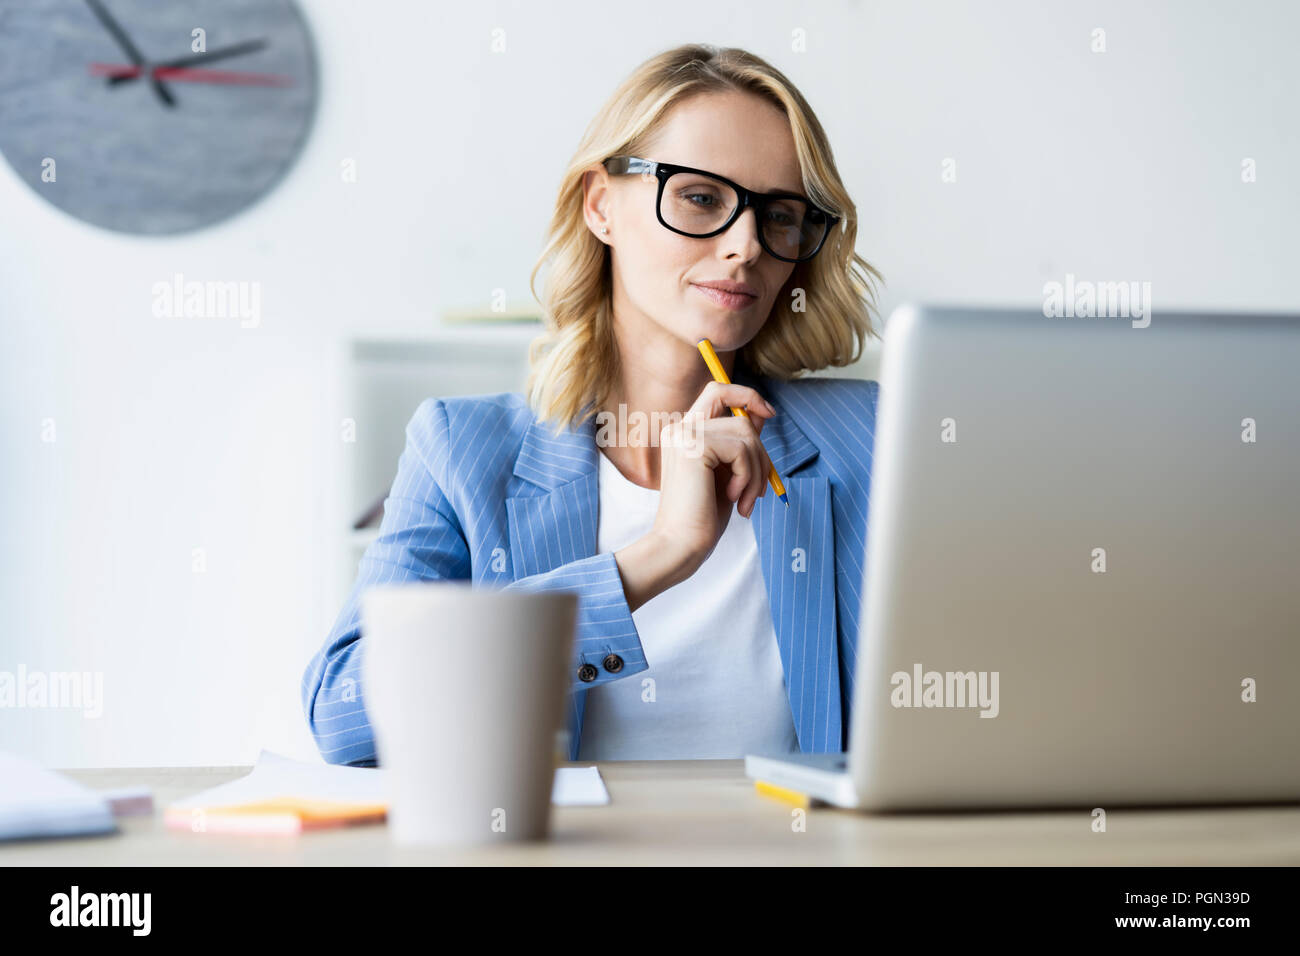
x,y
574,363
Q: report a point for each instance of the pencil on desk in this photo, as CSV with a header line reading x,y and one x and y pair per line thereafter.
x,y
720,375
784,794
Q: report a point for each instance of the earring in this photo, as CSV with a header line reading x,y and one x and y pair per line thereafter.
x,y
604,231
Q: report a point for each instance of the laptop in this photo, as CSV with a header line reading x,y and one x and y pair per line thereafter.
x,y
1082,583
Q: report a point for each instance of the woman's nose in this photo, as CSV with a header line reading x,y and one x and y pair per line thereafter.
x,y
742,235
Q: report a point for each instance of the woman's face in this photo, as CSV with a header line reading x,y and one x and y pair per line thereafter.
x,y
656,271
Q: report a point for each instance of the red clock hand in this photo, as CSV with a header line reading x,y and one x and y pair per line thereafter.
x,y
192,75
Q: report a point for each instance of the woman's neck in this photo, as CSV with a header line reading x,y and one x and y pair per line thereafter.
x,y
661,378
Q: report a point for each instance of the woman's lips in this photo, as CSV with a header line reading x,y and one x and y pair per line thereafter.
x,y
728,300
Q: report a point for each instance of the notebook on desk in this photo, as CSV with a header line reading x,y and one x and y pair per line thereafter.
x,y
282,795
36,802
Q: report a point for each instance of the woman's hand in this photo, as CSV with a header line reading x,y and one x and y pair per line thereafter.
x,y
709,461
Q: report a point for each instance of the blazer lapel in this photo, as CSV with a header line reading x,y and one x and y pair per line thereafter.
x,y
796,547
554,521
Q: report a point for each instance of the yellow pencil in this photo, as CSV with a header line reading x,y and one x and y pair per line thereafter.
x,y
784,794
720,375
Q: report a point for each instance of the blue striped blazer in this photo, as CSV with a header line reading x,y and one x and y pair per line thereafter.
x,y
487,493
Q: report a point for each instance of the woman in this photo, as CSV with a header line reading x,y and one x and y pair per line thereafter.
x,y
714,619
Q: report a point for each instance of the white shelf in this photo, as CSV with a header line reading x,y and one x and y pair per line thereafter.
x,y
384,375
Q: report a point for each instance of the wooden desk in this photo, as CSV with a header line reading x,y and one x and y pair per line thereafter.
x,y
705,812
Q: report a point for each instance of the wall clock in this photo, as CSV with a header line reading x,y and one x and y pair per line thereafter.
x,y
153,117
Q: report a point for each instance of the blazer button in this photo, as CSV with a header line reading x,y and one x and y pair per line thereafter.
x,y
587,673
612,663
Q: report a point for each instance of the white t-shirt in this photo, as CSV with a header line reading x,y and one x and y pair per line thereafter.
x,y
718,688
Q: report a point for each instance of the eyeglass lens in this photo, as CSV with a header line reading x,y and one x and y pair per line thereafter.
x,y
698,204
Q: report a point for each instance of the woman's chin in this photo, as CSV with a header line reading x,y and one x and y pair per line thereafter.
x,y
726,334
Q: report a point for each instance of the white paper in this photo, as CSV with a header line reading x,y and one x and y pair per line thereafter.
x,y
35,802
278,776
578,787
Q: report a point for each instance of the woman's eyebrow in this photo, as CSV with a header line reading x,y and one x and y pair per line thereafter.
x,y
787,190
784,192
780,190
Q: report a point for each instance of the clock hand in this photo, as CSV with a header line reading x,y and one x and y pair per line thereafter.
x,y
118,34
222,53
181,74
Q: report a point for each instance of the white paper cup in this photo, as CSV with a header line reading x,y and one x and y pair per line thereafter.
x,y
465,689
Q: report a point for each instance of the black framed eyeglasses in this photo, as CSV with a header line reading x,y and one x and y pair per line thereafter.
x,y
697,203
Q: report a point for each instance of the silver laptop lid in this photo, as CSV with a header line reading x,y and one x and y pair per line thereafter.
x,y
1083,571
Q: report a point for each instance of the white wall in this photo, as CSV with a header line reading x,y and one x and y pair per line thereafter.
x,y
177,434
